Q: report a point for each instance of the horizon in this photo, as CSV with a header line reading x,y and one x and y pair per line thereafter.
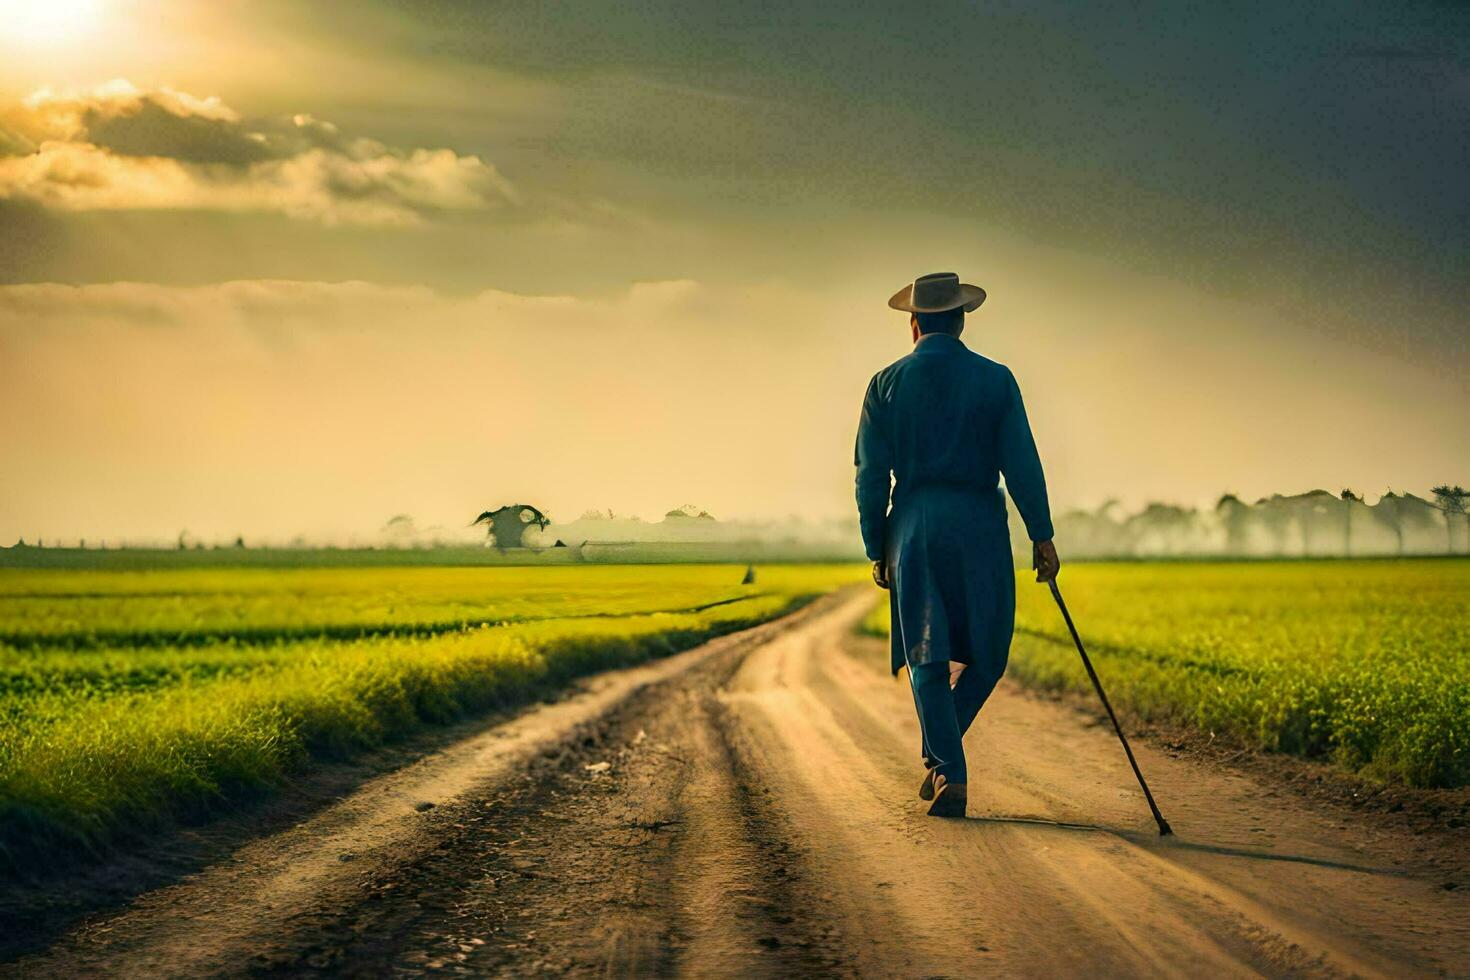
x,y
406,531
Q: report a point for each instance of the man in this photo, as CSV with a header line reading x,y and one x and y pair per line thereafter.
x,y
947,423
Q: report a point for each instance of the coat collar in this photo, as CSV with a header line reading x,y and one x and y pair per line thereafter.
x,y
938,343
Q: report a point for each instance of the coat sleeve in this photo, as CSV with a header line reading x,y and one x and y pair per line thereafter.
x,y
1021,465
874,459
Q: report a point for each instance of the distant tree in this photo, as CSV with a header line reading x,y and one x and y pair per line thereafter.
x,y
1389,512
1163,524
1453,502
1276,516
1419,517
1348,498
1235,516
506,526
400,531
1310,510
689,510
1098,532
20,542
1109,523
239,541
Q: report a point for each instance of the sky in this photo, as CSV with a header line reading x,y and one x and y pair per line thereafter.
x,y
277,268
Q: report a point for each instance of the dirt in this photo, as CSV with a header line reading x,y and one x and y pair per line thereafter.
x,y
750,807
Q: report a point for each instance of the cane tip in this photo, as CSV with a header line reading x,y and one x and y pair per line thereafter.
x,y
1165,830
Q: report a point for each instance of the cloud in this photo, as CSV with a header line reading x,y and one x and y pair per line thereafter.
x,y
120,148
311,308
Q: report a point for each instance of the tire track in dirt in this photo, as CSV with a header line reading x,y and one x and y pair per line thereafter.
x,y
661,864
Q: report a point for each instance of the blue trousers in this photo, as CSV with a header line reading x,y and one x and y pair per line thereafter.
x,y
945,713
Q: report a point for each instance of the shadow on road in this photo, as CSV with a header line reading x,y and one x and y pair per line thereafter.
x,y
1154,842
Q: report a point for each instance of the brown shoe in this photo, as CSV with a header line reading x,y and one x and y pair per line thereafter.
x,y
949,798
926,788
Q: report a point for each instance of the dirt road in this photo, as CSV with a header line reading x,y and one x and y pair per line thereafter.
x,y
748,808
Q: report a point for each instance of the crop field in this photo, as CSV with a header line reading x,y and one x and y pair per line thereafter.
x,y
1365,663
128,697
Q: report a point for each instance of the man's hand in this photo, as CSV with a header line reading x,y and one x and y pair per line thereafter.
x,y
1044,559
880,574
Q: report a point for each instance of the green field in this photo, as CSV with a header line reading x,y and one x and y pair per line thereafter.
x,y
131,697
1365,663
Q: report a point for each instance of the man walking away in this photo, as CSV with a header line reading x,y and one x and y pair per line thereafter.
x,y
945,424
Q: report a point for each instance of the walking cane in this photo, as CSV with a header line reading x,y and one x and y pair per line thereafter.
x,y
1164,829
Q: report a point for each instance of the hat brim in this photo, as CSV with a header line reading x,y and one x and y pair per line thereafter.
x,y
970,297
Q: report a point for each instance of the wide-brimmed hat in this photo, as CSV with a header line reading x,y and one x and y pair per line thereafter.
x,y
937,292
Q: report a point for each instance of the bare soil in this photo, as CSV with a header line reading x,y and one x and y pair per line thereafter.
x,y
749,807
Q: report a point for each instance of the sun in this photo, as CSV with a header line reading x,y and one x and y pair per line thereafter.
x,y
47,22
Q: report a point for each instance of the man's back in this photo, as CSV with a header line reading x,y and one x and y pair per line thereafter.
x,y
946,417
944,405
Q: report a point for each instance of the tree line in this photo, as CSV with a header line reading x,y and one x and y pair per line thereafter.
x,y
1317,523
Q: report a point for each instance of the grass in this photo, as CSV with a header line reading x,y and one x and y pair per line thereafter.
x,y
128,699
1366,664
169,608
135,558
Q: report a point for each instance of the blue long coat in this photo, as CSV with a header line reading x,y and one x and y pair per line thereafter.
x,y
946,423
